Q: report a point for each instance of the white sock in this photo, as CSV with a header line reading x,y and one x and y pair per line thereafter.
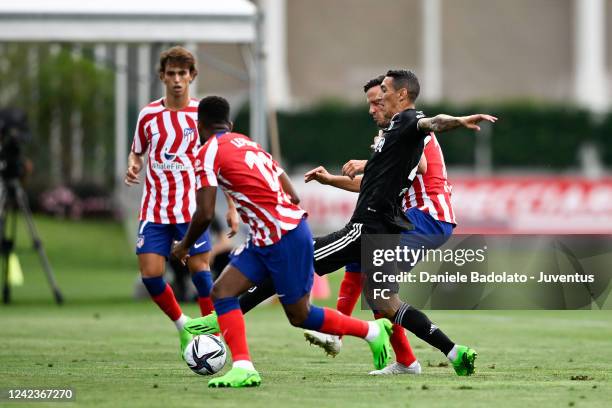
x,y
452,355
373,331
180,322
246,364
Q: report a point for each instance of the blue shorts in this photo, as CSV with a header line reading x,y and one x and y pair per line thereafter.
x,y
158,238
289,263
428,232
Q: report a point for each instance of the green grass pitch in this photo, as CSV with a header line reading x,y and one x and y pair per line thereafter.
x,y
117,352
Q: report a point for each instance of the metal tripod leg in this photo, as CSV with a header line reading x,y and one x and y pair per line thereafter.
x,y
4,247
22,202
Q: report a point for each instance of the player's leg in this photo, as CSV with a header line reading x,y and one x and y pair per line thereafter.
x,y
418,323
199,266
350,288
290,263
325,320
256,295
152,248
232,282
336,250
430,233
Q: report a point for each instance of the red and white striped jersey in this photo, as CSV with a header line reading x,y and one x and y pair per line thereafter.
x,y
431,192
173,142
251,177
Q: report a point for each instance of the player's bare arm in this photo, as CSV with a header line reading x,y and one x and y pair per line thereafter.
x,y
231,217
205,211
135,164
321,175
443,123
288,188
353,167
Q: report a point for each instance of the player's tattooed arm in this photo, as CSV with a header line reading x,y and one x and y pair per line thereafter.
x,y
443,123
231,217
135,164
202,217
321,175
288,188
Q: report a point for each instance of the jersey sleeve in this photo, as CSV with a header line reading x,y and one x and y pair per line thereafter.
x,y
407,123
205,169
141,140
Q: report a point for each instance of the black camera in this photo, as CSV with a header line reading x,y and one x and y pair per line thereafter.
x,y
14,132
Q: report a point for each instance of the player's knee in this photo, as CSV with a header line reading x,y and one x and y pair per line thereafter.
x,y
199,263
297,317
217,292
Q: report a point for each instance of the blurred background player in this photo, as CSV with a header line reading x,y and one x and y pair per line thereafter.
x,y
167,129
280,245
427,204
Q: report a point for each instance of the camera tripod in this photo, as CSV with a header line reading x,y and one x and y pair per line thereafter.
x,y
13,199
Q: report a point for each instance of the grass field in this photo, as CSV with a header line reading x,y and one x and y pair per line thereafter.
x,y
117,352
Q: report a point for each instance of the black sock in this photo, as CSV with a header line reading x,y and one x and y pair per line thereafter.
x,y
256,295
419,324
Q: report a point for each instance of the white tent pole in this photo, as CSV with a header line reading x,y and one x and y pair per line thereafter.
x,y
589,54
144,75
193,89
258,87
277,73
121,95
432,51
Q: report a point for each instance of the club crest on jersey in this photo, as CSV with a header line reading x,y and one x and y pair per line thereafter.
x,y
140,241
188,132
379,144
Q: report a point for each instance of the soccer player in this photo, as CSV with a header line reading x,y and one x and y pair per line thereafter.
x,y
426,204
280,244
391,168
167,129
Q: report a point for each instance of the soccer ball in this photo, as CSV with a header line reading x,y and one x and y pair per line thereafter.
x,y
205,354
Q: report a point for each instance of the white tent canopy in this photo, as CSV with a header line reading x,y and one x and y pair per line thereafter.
x,y
128,21
142,22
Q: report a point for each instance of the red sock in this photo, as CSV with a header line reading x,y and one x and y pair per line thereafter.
x,y
234,333
167,302
401,345
339,324
350,288
206,305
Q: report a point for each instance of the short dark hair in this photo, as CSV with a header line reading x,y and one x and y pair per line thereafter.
x,y
373,82
405,79
180,56
213,110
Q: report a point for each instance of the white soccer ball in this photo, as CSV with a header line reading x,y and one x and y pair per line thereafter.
x,y
205,354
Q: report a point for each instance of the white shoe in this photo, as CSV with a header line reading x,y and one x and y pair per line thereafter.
x,y
330,343
399,368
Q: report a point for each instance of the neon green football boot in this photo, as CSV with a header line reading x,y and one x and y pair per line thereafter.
x,y
237,378
464,363
380,346
203,325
